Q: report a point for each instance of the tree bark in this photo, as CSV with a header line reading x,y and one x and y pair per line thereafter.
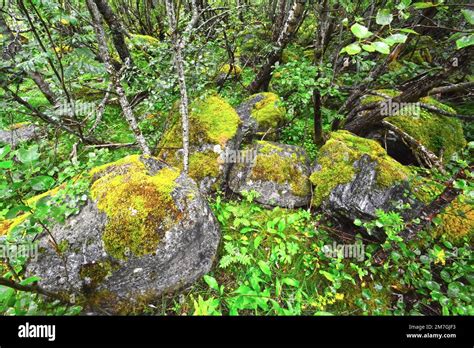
x,y
263,77
115,78
416,90
179,43
318,124
116,29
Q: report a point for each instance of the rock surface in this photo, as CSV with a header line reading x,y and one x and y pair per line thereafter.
x,y
354,177
261,113
19,133
279,173
214,132
146,231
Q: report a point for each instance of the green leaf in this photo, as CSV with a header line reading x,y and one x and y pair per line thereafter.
x,y
322,313
4,151
384,17
352,49
12,213
422,5
395,38
28,155
454,289
212,282
469,15
6,164
264,267
41,183
368,48
409,31
290,282
360,31
328,275
381,47
465,41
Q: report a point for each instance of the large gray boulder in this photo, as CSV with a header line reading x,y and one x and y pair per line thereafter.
x,y
145,231
19,133
353,177
279,173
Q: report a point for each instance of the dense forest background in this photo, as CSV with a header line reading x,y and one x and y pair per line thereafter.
x,y
358,115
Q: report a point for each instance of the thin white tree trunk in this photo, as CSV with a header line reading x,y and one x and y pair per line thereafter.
x,y
179,43
115,78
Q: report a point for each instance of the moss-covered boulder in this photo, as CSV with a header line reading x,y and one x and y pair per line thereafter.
x,y
279,173
261,114
18,133
228,72
145,231
214,130
354,176
442,135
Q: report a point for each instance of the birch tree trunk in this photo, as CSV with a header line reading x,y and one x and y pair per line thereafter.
x,y
179,43
115,78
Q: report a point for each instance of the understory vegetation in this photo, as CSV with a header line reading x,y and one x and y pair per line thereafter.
x,y
92,90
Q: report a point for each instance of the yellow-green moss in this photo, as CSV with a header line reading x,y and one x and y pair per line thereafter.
x,y
7,226
457,220
268,112
211,121
138,206
389,93
96,272
231,70
204,164
270,165
337,159
442,135
19,125
142,40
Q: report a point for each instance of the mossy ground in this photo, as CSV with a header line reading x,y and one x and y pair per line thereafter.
x,y
138,206
337,158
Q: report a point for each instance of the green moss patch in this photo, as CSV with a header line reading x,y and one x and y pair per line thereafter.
x,y
442,135
211,121
337,158
268,112
139,207
272,165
